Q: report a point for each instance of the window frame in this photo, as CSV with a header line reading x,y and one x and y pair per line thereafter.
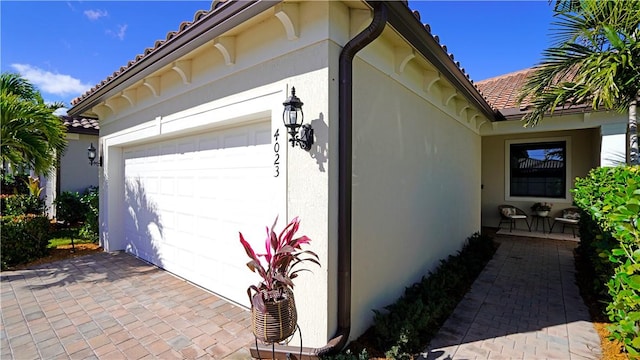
x,y
507,169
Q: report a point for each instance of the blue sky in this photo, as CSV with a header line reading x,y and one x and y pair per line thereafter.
x,y
66,47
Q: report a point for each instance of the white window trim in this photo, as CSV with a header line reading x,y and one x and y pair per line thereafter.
x,y
507,169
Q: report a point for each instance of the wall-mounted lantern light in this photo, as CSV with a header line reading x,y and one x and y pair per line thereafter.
x,y
92,154
293,119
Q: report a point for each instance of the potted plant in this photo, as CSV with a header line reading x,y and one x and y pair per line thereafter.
x,y
273,312
541,208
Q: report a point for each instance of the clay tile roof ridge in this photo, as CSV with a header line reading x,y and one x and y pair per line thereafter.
x,y
511,74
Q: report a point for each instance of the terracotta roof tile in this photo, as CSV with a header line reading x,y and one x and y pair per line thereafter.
x,y
502,91
80,124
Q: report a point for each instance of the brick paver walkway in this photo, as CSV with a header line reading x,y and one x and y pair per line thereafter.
x,y
114,306
524,305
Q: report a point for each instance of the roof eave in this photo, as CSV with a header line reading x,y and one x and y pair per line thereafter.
x,y
517,113
403,21
82,130
213,24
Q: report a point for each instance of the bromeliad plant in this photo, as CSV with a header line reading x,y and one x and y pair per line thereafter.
x,y
277,266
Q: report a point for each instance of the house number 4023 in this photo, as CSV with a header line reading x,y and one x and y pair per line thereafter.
x,y
276,151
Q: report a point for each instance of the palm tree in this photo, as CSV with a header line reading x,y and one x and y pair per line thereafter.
x,y
31,136
595,60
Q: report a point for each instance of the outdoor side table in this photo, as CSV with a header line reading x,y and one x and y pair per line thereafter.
x,y
546,222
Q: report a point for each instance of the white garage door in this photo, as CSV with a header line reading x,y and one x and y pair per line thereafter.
x,y
186,199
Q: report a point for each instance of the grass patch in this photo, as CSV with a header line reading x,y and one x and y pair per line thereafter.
x,y
64,241
62,238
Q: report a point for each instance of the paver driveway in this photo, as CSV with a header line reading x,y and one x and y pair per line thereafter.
x,y
115,306
524,305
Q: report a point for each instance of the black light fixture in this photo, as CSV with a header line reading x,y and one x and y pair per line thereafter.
x,y
92,154
293,119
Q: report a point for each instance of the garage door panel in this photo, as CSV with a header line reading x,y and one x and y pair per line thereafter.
x,y
187,199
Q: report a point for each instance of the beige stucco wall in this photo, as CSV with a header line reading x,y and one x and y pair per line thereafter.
x,y
75,172
583,148
416,189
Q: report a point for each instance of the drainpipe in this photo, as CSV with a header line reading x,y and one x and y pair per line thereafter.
x,y
345,156
345,161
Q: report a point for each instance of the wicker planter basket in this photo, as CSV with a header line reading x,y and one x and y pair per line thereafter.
x,y
279,320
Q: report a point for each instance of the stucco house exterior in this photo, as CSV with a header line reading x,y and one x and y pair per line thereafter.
x,y
74,173
408,159
586,139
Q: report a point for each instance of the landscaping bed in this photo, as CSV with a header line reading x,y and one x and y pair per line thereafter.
x,y
62,252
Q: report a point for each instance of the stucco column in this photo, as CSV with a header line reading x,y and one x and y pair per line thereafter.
x,y
612,147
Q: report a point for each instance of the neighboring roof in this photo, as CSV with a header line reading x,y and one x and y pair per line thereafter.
x,y
529,163
502,91
227,8
81,125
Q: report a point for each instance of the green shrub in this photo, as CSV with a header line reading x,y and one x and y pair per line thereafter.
x,y
24,238
13,184
611,241
347,355
3,203
23,204
404,327
89,199
69,208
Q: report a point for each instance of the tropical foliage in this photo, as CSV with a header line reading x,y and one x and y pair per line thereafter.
x,y
32,137
594,61
282,254
610,240
26,202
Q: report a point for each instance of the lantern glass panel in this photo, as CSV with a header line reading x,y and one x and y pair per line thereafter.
x,y
293,117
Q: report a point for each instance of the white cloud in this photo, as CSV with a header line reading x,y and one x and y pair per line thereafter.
x,y
51,83
95,14
122,29
61,111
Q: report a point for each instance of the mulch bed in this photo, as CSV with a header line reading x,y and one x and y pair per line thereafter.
x,y
61,253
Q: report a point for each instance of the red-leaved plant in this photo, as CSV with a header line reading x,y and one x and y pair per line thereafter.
x,y
283,254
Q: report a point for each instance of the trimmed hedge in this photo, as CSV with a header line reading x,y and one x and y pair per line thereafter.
x,y
405,327
610,240
24,238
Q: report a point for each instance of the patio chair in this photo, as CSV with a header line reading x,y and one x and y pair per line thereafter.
x,y
570,217
510,214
